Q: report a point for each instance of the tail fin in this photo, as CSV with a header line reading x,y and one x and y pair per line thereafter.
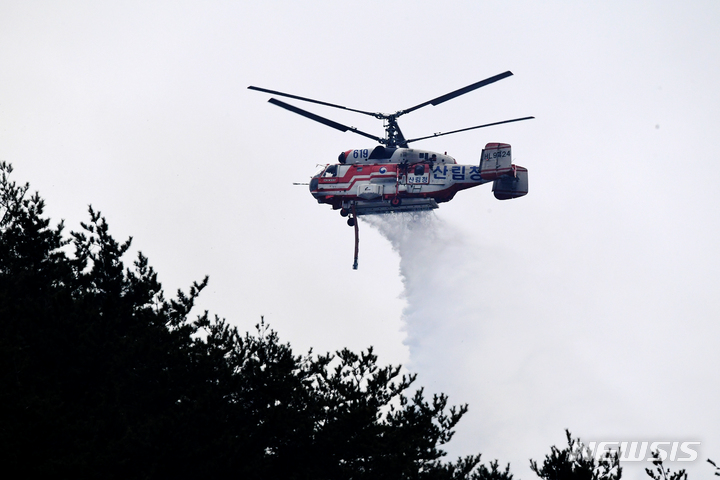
x,y
495,161
512,186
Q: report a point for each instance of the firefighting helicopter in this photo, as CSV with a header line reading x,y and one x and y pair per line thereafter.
x,y
392,177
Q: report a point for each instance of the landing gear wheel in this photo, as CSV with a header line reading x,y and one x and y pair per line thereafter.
x,y
344,212
395,201
351,221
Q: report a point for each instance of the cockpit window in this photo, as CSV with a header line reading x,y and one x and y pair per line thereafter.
x,y
319,171
330,171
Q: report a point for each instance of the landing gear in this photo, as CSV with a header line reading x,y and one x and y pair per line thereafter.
x,y
395,201
345,212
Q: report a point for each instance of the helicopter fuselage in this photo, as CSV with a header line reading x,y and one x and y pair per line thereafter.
x,y
383,180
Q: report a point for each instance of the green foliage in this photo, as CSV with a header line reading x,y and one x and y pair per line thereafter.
x,y
575,462
103,376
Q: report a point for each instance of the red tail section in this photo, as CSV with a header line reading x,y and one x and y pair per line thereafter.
x,y
509,181
512,186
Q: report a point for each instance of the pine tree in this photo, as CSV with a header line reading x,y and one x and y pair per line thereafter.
x,y
576,462
103,376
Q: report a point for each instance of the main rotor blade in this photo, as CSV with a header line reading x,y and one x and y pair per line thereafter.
x,y
439,134
458,92
323,120
304,99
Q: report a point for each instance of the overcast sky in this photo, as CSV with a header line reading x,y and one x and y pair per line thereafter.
x,y
590,304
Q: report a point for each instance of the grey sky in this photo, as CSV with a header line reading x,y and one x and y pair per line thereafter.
x,y
589,304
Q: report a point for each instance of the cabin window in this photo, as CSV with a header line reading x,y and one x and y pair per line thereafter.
x,y
419,170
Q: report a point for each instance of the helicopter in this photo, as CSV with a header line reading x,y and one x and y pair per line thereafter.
x,y
392,177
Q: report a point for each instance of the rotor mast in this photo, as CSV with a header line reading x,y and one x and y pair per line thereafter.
x,y
393,135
